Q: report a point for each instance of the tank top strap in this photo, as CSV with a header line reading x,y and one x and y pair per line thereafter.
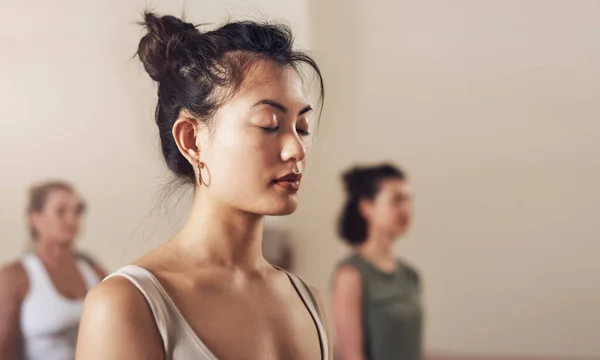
x,y
315,310
36,273
30,263
40,279
157,299
89,275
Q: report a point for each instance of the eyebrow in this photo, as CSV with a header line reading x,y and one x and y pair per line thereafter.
x,y
280,107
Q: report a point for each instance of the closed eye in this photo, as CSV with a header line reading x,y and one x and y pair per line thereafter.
x,y
273,130
270,130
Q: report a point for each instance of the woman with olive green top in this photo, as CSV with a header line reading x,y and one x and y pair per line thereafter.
x,y
376,297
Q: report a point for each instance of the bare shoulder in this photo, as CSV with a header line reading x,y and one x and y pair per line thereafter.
x,y
14,280
346,284
116,295
13,271
347,276
116,320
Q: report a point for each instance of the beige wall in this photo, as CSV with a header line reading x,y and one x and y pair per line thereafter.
x,y
492,106
74,105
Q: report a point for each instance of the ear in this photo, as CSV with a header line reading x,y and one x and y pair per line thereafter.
x,y
186,132
34,220
365,208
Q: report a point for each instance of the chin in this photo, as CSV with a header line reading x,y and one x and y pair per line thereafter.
x,y
272,204
64,242
283,211
66,239
283,207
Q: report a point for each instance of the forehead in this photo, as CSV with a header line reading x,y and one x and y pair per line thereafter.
x,y
60,196
393,186
269,80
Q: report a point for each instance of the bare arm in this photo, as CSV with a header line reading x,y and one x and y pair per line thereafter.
x,y
117,323
14,285
347,314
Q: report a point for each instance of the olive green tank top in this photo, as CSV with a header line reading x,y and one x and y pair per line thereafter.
x,y
392,311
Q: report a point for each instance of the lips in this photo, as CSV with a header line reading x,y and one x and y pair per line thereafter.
x,y
289,182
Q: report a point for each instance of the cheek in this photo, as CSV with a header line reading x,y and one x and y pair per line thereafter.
x,y
59,223
382,216
307,147
406,210
391,215
240,159
50,224
76,220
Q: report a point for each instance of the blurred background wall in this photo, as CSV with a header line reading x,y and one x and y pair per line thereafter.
x,y
491,106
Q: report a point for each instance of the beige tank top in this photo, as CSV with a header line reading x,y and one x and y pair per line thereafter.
x,y
179,340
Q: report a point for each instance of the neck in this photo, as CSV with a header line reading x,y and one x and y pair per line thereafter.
x,y
52,253
378,247
221,235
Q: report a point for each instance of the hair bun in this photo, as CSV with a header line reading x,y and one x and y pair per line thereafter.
x,y
353,181
163,33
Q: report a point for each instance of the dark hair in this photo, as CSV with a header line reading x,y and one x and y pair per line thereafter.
x,y
38,195
198,71
362,183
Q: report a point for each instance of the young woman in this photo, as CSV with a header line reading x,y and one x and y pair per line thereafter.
x,y
41,295
376,297
235,121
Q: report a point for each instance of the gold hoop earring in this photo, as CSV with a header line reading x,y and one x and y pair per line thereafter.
x,y
200,166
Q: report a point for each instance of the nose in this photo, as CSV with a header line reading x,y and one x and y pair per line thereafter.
x,y
293,148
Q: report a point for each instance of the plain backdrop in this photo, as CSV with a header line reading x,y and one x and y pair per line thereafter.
x,y
492,107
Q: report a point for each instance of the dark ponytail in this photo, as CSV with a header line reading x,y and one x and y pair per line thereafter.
x,y
362,183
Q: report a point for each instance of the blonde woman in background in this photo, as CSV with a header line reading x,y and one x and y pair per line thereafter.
x,y
41,294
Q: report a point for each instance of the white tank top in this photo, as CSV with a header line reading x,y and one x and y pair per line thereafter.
x,y
49,320
180,342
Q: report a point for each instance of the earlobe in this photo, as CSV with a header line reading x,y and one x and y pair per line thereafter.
x,y
364,207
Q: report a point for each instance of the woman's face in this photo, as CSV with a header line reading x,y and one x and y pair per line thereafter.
x,y
390,211
59,220
258,138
